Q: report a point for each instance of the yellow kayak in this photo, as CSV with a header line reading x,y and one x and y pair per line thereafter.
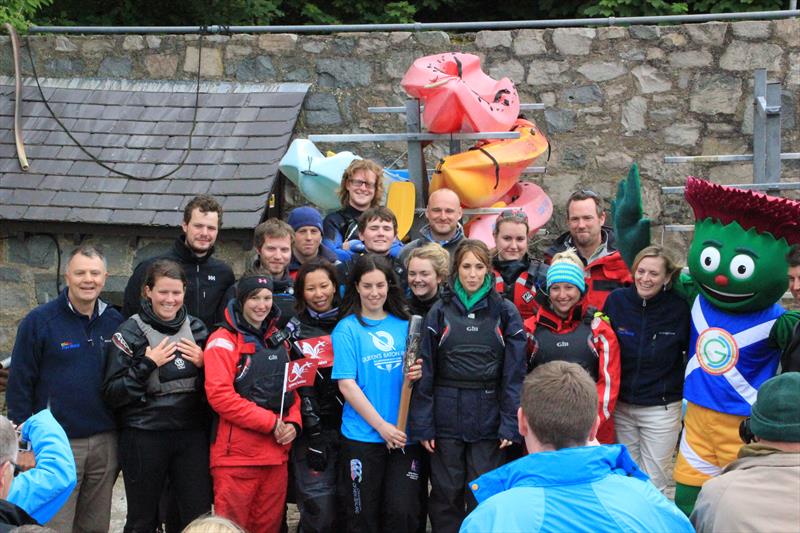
x,y
483,175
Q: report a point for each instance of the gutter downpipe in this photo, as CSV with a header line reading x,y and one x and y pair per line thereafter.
x,y
418,26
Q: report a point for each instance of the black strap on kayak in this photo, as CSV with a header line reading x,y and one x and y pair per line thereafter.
x,y
496,167
500,94
458,66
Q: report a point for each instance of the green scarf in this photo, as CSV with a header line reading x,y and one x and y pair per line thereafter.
x,y
470,301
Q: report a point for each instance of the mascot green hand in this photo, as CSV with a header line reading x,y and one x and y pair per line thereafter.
x,y
630,227
737,274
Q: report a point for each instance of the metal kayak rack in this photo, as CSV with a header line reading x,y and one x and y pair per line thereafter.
x,y
415,137
766,157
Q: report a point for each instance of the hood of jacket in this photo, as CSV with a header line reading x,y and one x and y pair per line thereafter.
x,y
567,466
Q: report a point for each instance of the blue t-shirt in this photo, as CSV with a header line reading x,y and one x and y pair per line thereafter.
x,y
373,357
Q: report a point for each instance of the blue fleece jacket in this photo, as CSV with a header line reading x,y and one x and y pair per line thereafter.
x,y
592,489
58,362
42,490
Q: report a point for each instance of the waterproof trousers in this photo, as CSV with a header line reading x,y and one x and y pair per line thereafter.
x,y
252,496
454,464
381,487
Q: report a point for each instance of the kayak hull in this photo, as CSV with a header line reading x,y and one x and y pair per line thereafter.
x,y
480,177
528,197
459,96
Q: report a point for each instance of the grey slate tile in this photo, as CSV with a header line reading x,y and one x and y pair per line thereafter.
x,y
214,129
63,183
120,154
227,143
110,184
139,170
205,157
134,128
97,216
160,202
153,187
223,100
162,156
277,114
183,172
87,169
108,140
74,199
215,172
170,128
167,218
72,153
242,220
117,201
133,217
231,187
246,157
256,171
181,142
46,213
12,212
48,166
41,151
20,181
188,187
147,141
246,203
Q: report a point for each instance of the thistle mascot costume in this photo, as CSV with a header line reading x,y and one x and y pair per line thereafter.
x,y
737,274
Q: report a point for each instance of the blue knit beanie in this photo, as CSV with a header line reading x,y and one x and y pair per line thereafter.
x,y
305,216
566,271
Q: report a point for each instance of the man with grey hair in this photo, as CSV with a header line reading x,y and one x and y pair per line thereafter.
x,y
11,515
58,361
566,483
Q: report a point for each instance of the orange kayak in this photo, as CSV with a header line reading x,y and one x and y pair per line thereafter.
x,y
458,96
528,197
483,175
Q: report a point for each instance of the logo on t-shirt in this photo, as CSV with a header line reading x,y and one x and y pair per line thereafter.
x,y
382,341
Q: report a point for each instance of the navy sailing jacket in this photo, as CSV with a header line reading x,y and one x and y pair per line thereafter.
x,y
653,338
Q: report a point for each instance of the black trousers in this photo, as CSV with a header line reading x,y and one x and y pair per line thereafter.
x,y
147,458
381,488
455,464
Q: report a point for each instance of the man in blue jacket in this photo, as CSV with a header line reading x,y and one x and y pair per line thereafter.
x,y
58,361
566,483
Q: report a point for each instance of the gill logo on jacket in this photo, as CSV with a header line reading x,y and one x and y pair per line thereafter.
x,y
382,341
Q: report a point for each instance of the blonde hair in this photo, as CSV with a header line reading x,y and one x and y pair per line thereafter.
x,y
433,252
569,255
212,524
673,269
365,165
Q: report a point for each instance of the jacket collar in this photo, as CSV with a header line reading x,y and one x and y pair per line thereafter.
x,y
568,466
99,306
425,232
634,298
188,256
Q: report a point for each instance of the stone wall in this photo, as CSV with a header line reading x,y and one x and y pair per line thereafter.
x,y
614,95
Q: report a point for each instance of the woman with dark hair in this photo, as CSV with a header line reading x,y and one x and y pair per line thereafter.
x,y
427,268
652,326
245,368
517,275
315,453
564,330
464,409
154,384
380,468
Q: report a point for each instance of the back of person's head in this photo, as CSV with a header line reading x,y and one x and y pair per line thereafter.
x,y
213,524
8,454
776,414
559,402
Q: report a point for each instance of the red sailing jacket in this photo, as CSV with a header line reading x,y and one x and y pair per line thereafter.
x,y
603,341
244,436
523,293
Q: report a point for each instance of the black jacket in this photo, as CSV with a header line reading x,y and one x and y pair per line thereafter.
x,y
12,516
207,280
126,382
653,337
321,405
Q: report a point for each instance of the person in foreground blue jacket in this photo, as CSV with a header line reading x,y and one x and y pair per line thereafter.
x,y
568,482
42,490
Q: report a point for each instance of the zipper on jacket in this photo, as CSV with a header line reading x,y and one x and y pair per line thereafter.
x,y
197,292
230,433
641,349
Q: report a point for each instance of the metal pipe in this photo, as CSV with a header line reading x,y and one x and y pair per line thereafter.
x,y
784,186
418,26
727,158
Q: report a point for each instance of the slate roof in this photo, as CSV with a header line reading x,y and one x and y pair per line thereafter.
x,y
142,128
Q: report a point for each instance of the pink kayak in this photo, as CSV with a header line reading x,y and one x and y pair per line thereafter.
x,y
528,197
458,96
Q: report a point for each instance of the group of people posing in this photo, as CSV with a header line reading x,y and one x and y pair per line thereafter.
x,y
183,389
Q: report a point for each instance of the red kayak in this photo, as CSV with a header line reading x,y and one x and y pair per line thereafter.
x,y
458,96
525,196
